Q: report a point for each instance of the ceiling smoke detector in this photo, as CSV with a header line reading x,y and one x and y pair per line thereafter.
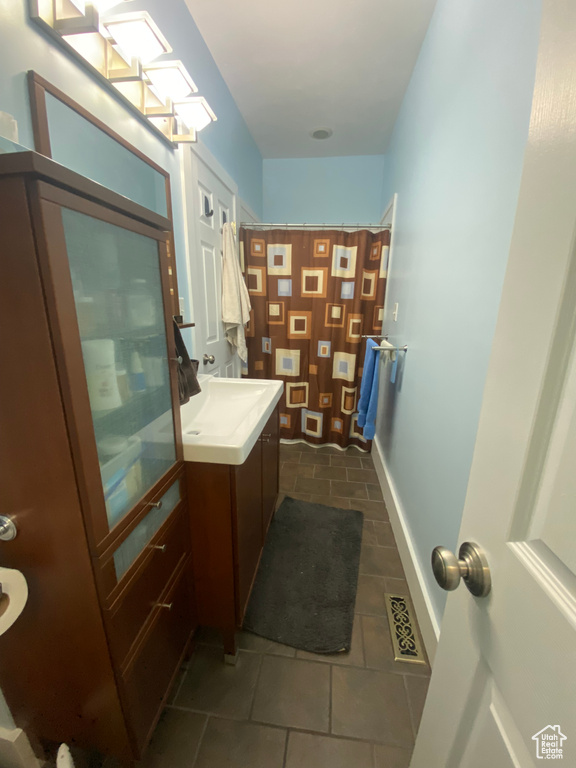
x,y
322,133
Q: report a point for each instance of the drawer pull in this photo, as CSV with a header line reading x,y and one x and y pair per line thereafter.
x,y
168,606
161,547
157,504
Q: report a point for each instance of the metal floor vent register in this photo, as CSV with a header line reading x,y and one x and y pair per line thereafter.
x,y
405,640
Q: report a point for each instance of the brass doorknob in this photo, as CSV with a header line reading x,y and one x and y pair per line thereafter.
x,y
208,359
470,565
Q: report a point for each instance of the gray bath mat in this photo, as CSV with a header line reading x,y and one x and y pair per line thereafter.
x,y
305,588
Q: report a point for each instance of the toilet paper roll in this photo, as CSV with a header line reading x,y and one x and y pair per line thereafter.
x,y
64,757
14,597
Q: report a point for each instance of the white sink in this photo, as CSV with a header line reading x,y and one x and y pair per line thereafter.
x,y
221,424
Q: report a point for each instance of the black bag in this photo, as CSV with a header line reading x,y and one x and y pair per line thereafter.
x,y
187,369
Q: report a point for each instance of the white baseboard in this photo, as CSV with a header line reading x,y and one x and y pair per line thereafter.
x,y
15,750
425,613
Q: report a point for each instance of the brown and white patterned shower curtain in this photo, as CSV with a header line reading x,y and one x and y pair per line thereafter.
x,y
314,294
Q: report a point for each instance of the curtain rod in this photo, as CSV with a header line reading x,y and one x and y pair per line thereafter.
x,y
260,225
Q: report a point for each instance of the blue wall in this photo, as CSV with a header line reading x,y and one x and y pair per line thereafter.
x,y
24,46
324,190
455,161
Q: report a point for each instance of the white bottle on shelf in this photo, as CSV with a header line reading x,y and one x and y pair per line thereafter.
x,y
100,367
141,305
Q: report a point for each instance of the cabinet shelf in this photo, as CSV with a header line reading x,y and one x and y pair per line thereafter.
x,y
139,411
137,334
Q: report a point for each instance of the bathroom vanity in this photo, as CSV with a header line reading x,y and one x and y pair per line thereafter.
x,y
91,461
231,447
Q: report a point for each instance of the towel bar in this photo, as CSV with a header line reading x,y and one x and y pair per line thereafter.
x,y
391,349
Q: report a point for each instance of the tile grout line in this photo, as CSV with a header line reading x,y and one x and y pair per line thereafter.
x,y
286,748
409,706
361,625
318,661
200,740
181,683
330,702
308,731
334,736
180,708
256,684
268,724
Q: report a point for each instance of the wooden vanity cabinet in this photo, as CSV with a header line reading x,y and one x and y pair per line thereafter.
x,y
231,507
151,671
270,469
98,494
246,517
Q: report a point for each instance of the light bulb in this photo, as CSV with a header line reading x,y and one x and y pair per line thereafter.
x,y
170,80
137,36
195,112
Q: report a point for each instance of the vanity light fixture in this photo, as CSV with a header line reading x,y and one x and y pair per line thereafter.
x,y
170,127
69,8
70,24
119,50
103,6
82,33
92,47
195,112
170,80
137,36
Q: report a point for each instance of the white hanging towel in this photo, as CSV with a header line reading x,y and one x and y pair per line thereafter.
x,y
236,304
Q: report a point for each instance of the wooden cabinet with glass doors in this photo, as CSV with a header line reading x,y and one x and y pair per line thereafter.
x,y
98,497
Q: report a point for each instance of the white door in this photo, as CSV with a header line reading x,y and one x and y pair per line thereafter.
x,y
503,689
210,201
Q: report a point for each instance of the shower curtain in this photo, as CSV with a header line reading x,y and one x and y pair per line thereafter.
x,y
314,295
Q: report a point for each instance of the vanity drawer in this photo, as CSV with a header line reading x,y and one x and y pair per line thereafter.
x,y
120,565
131,548
128,614
151,672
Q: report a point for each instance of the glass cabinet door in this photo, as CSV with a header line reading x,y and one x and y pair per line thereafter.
x,y
118,297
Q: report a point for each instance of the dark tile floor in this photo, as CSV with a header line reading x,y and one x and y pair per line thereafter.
x,y
282,708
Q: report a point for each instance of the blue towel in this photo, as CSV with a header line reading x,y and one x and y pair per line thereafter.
x,y
369,391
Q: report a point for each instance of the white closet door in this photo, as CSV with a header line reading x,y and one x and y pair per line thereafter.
x,y
210,199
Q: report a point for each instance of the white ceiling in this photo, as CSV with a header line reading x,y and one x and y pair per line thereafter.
x,y
293,66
